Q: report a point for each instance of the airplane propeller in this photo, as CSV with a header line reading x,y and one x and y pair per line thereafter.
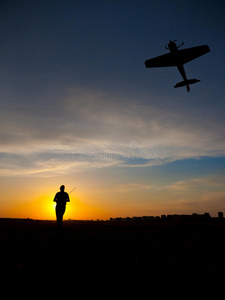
x,y
174,42
171,42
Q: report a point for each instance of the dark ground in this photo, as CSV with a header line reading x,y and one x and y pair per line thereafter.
x,y
36,259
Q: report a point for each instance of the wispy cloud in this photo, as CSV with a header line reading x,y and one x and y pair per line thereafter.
x,y
196,184
95,129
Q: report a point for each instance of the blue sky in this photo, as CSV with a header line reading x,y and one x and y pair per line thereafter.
x,y
78,105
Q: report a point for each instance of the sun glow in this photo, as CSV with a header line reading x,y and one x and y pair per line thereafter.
x,y
45,207
53,205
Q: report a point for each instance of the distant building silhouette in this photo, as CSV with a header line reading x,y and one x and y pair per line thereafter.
x,y
220,215
196,218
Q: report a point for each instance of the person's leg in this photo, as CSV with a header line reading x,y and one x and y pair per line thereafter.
x,y
63,208
59,215
59,222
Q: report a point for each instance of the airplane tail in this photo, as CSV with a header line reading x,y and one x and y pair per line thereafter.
x,y
186,83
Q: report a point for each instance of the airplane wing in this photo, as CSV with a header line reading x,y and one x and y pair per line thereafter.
x,y
181,57
166,60
189,54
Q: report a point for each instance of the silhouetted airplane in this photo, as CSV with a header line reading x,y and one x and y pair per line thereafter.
x,y
178,58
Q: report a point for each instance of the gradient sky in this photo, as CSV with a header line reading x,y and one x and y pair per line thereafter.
x,y
79,108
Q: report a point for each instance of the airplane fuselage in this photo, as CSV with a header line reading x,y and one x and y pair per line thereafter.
x,y
174,49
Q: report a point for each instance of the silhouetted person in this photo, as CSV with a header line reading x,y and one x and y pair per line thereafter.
x,y
61,198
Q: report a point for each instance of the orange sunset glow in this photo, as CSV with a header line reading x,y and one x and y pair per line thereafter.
x,y
79,108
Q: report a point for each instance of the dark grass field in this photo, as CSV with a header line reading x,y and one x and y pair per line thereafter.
x,y
35,257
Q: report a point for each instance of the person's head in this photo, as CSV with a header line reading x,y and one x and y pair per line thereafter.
x,y
62,188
